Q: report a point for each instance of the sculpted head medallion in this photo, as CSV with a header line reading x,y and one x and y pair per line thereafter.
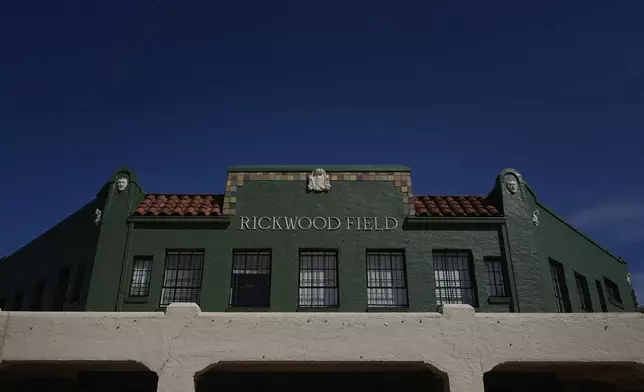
x,y
319,181
121,183
511,183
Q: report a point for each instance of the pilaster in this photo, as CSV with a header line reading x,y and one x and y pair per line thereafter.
x,y
522,222
123,194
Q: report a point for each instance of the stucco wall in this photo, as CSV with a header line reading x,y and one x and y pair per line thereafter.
x,y
560,242
109,261
532,244
184,341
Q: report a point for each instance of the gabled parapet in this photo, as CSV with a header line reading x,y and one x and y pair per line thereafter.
x,y
120,195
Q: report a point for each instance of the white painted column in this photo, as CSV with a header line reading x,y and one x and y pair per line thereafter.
x,y
467,378
465,374
175,374
176,380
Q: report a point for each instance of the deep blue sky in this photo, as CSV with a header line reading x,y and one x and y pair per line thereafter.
x,y
179,90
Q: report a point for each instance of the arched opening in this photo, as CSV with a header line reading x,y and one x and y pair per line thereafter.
x,y
565,376
323,376
72,376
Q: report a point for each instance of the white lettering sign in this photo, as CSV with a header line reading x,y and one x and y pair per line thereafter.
x,y
319,223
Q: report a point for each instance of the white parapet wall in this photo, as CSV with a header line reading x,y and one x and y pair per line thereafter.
x,y
184,341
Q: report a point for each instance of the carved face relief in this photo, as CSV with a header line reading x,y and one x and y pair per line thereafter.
x,y
98,214
628,279
121,183
319,181
511,183
535,217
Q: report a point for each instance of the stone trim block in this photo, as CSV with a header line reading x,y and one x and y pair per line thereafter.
x,y
235,180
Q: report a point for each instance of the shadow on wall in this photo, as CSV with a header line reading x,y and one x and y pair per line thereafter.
x,y
565,376
322,376
68,376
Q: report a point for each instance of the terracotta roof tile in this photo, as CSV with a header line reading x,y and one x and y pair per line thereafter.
x,y
454,206
180,205
210,205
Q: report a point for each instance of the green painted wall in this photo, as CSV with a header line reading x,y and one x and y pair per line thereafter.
x,y
565,245
108,249
534,245
523,251
113,242
288,198
70,243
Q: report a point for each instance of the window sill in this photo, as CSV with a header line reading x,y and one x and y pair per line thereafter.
x,y
615,303
389,309
136,300
319,309
498,300
246,309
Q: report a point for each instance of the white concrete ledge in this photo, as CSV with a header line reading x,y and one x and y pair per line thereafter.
x,y
457,341
182,309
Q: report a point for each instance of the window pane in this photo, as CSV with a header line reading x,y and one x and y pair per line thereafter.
x,y
386,279
39,291
140,283
250,280
584,293
495,278
561,289
613,291
453,278
60,296
602,298
78,283
318,279
181,278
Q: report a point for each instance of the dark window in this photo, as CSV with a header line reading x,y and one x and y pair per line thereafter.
x,y
141,274
61,288
495,277
3,303
602,298
453,277
250,283
17,300
39,292
318,279
182,277
386,279
613,291
560,287
78,283
584,293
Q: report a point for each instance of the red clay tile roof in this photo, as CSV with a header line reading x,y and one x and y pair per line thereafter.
x,y
180,205
454,206
210,205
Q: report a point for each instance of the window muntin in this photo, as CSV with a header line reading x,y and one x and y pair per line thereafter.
x,y
182,277
585,302
141,275
496,286
613,291
60,296
17,300
602,297
386,279
318,278
78,283
250,284
561,289
453,277
38,293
